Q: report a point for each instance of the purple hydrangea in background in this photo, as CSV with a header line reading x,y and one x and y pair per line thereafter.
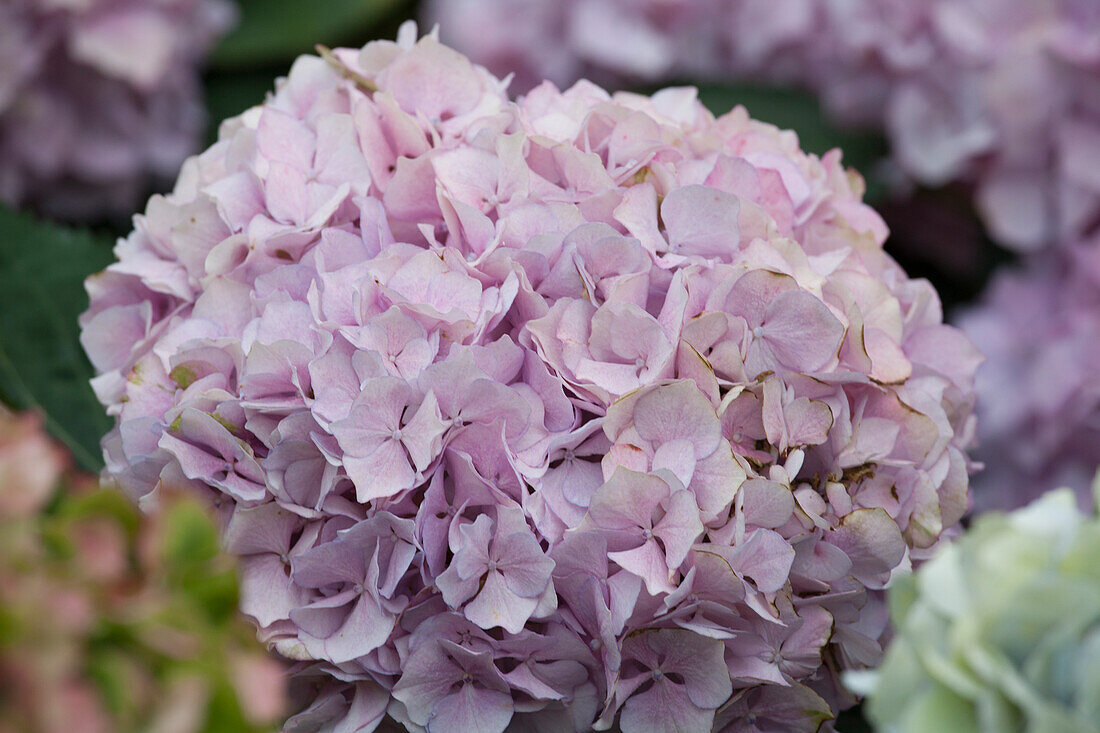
x,y
1039,390
1002,94
553,412
650,40
99,99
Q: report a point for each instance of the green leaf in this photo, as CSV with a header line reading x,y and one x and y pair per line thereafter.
x,y
114,671
217,594
278,30
107,503
799,111
190,539
224,714
42,365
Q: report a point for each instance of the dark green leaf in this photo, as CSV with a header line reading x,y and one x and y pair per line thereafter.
x,y
42,365
223,713
114,673
852,721
278,30
228,95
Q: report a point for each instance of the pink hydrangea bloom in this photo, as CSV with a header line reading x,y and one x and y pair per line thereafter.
x,y
1003,94
99,99
547,412
1039,390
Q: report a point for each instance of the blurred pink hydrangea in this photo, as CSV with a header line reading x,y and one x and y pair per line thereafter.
x,y
99,99
610,41
1003,94
546,412
1039,390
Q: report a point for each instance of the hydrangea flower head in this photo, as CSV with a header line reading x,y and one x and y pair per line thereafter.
x,y
999,630
99,99
562,412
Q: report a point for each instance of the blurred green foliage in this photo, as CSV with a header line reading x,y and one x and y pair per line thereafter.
x,y
188,552
227,95
273,31
132,616
42,365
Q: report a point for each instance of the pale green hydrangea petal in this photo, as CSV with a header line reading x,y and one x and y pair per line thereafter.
x,y
1000,631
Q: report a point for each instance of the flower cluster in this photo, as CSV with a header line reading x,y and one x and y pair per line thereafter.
x,y
99,99
1039,390
565,41
113,621
1000,631
578,407
1004,94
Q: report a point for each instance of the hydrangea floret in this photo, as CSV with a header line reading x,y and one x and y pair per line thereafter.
x,y
565,412
1000,630
99,99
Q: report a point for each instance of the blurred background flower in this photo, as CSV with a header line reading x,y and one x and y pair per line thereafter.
x,y
113,620
100,100
1039,390
1000,631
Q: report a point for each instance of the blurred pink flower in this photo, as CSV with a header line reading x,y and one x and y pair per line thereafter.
x,y
612,41
1003,94
1039,390
99,99
30,465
